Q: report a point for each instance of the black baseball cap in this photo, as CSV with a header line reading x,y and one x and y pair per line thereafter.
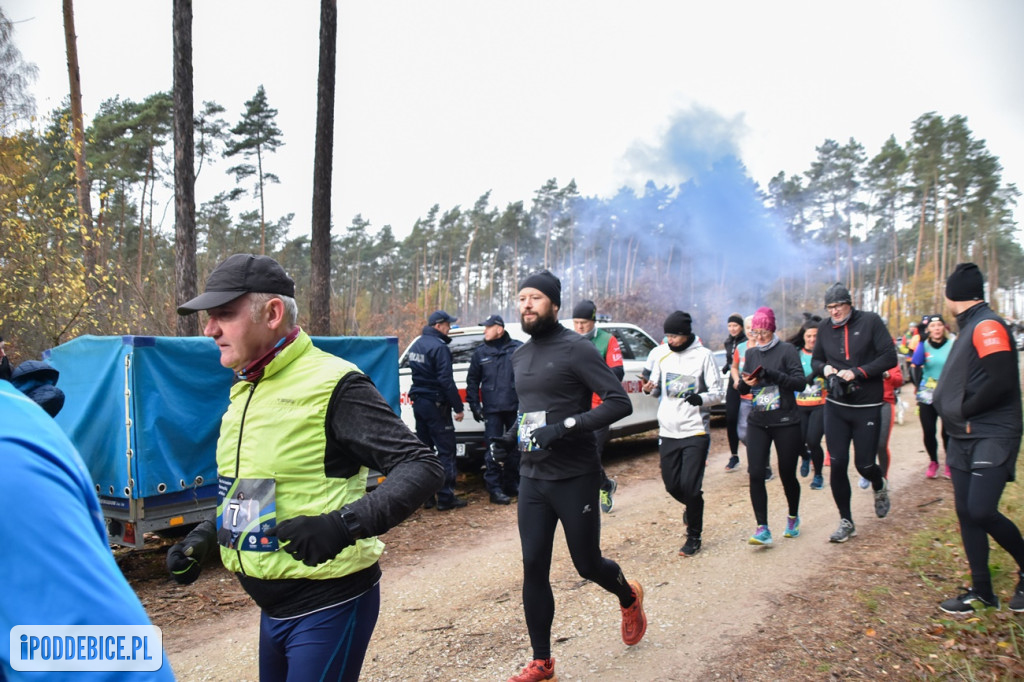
x,y
240,274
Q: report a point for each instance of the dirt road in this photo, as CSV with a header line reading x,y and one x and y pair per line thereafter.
x,y
451,589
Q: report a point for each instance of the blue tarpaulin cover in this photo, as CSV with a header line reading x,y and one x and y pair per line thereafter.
x,y
176,393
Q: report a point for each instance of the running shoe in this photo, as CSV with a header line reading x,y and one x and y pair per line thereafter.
x,y
634,621
968,602
1017,600
692,546
882,503
536,670
607,490
844,532
768,474
817,483
792,527
946,473
733,465
933,469
761,536
805,467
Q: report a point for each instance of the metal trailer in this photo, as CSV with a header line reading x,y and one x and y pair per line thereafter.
x,y
145,411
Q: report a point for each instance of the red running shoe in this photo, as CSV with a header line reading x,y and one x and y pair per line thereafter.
x,y
634,622
536,670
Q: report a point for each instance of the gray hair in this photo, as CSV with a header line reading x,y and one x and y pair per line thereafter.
x,y
291,308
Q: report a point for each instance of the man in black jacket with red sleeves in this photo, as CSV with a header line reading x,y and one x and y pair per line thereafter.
x,y
978,398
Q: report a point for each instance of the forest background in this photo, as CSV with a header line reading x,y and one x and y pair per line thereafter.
x,y
890,222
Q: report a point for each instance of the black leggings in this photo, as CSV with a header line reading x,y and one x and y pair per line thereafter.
x,y
732,416
788,444
977,496
929,417
812,427
574,502
860,425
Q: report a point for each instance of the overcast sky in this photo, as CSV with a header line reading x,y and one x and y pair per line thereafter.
x,y
439,102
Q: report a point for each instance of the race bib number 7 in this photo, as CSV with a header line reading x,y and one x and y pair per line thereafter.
x,y
247,510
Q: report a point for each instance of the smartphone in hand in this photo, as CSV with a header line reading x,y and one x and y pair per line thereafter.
x,y
754,373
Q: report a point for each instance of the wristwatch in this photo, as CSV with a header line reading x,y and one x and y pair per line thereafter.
x,y
351,523
569,423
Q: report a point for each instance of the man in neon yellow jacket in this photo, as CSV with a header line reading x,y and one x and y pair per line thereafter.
x,y
294,522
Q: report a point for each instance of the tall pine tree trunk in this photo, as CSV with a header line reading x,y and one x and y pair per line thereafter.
x,y
185,286
89,241
320,246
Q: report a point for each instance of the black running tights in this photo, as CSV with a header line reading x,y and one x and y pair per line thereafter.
x,y
812,426
845,424
977,496
542,505
789,445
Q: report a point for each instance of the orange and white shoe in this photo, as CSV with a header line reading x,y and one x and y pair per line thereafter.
x,y
634,621
536,670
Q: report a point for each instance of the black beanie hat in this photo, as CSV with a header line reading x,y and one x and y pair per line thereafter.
x,y
837,293
585,310
737,318
546,283
965,284
679,323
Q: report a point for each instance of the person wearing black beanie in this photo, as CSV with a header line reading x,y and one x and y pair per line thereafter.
x,y
852,353
688,383
978,397
556,374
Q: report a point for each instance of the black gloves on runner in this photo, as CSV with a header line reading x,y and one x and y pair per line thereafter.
x,y
478,415
544,436
313,539
502,446
695,399
185,559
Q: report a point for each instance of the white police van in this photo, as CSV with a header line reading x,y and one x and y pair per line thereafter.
x,y
469,434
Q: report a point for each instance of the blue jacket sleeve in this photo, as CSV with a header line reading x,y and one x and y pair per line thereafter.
x,y
918,358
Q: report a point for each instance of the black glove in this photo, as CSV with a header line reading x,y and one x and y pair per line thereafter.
x,y
694,399
771,376
185,558
725,369
313,539
478,415
836,386
544,436
809,378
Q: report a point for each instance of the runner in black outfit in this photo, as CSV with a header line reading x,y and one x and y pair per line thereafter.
x,y
557,372
772,374
732,396
853,351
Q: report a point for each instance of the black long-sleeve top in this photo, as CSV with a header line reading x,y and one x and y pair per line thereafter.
x,y
774,394
557,374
